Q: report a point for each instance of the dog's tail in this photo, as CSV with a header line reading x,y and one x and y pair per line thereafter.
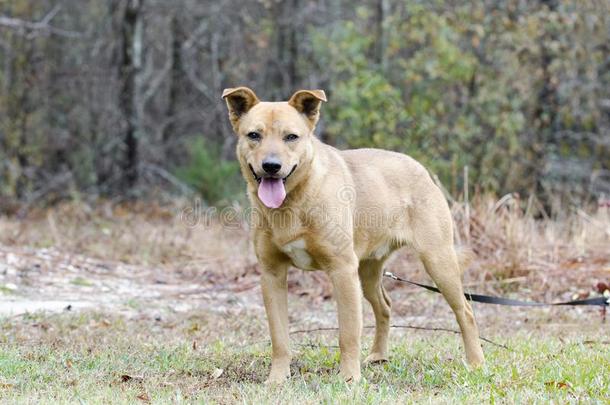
x,y
465,257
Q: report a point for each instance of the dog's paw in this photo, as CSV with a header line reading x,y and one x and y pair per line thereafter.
x,y
476,364
275,380
351,378
350,375
376,358
277,377
475,358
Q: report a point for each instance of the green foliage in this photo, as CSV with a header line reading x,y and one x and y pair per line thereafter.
x,y
367,112
458,85
216,179
517,91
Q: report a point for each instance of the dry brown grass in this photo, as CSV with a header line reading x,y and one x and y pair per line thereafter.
x,y
137,233
515,242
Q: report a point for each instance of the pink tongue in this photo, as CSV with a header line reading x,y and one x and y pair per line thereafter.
x,y
271,192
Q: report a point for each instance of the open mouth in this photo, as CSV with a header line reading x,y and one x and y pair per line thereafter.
x,y
271,190
259,178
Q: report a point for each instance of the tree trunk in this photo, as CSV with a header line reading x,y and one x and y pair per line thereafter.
x,y
129,70
380,45
282,73
545,113
174,85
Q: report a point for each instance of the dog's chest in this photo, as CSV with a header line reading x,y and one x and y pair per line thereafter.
x,y
298,254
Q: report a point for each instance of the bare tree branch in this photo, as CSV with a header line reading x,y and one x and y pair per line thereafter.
x,y
33,27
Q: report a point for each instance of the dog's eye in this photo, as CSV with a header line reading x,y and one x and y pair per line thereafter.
x,y
255,136
291,137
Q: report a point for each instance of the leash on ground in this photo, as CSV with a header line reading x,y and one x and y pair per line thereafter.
x,y
395,326
487,299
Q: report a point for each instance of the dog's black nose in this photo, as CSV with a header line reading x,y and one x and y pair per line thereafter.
x,y
271,165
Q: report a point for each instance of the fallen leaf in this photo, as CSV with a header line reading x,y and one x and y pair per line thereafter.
x,y
596,342
127,378
602,287
558,384
217,373
42,325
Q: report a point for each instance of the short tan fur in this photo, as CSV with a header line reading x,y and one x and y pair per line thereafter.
x,y
344,213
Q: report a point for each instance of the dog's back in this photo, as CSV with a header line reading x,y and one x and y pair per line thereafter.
x,y
395,197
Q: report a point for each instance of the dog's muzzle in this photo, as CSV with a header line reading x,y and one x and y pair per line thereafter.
x,y
259,178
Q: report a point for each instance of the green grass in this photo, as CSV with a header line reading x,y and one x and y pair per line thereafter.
x,y
87,357
82,282
6,290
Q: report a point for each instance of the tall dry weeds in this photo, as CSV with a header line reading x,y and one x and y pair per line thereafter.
x,y
514,241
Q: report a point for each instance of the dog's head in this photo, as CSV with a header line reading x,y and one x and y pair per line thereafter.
x,y
275,139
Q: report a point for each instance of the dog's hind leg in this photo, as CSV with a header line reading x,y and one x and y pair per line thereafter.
x,y
441,263
371,274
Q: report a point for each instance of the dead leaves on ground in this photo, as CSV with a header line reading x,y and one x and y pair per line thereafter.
x,y
143,397
558,384
126,378
135,379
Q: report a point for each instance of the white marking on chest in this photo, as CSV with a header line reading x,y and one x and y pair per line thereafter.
x,y
297,251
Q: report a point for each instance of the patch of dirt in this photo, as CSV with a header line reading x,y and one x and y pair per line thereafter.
x,y
51,280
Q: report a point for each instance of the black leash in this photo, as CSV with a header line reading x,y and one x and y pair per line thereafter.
x,y
486,299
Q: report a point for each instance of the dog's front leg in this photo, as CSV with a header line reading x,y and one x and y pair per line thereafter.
x,y
346,287
275,296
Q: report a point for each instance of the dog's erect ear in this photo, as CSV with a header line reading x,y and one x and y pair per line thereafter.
x,y
239,101
308,102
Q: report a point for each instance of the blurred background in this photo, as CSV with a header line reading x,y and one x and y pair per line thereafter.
x,y
121,98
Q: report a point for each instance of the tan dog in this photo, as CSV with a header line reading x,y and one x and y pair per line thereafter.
x,y
343,212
